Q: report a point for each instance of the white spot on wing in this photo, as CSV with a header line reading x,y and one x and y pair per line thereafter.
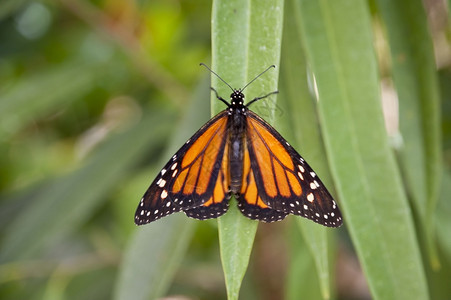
x,y
300,176
164,194
310,197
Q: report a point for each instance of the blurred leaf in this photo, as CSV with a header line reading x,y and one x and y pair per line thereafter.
x,y
44,93
302,279
8,7
416,83
70,200
152,258
367,180
246,38
449,11
156,250
440,288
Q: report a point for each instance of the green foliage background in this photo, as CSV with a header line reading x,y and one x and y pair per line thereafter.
x,y
95,96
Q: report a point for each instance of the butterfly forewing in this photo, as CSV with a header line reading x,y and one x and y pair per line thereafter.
x,y
194,176
285,182
218,203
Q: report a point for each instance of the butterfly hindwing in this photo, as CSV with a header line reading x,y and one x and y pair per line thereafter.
x,y
285,182
190,178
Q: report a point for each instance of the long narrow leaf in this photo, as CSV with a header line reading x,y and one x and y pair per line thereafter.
x,y
416,83
72,199
155,251
339,46
302,279
152,257
246,38
298,113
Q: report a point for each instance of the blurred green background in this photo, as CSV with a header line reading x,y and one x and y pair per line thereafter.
x,y
95,96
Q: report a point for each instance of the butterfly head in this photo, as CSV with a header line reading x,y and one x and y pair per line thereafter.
x,y
237,98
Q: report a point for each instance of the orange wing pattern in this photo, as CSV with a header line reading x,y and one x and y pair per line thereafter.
x,y
250,202
282,180
195,180
218,202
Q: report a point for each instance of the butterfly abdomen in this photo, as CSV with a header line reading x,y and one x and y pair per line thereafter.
x,y
237,129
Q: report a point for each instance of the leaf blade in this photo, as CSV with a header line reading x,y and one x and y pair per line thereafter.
x,y
416,83
344,64
242,41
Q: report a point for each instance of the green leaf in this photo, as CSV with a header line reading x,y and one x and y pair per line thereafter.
x,y
302,278
155,251
438,279
152,258
236,236
8,7
449,12
246,38
43,93
339,46
416,83
298,120
62,207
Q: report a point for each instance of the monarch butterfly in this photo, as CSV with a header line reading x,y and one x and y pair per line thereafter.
x,y
238,153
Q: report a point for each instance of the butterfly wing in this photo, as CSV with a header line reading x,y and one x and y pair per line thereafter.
x,y
217,203
195,180
284,181
250,202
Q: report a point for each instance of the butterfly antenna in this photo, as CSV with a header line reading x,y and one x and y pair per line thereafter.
x,y
202,64
271,66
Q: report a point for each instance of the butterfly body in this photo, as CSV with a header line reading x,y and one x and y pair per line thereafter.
x,y
236,128
238,153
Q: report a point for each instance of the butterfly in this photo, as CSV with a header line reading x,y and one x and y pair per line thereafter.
x,y
238,153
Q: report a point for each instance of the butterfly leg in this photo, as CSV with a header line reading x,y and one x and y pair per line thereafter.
x,y
219,97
